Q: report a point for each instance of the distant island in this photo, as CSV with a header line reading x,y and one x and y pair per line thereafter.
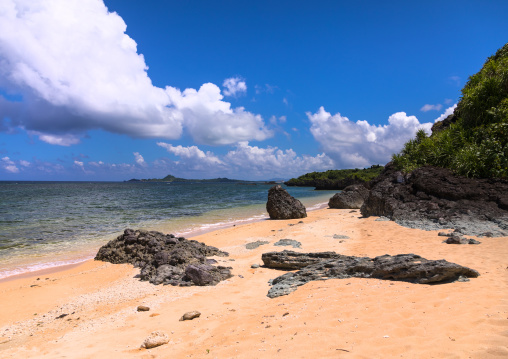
x,y
336,179
171,178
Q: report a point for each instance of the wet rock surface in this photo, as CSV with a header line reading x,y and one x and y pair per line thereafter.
x,y
433,198
326,265
352,197
281,205
165,259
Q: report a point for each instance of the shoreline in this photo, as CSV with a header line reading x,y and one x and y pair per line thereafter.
x,y
201,230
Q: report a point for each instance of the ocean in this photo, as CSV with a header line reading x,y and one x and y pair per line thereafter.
x,y
50,224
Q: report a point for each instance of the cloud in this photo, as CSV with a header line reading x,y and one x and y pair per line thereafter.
x,y
9,165
76,69
234,86
428,107
360,144
139,159
251,162
277,120
192,153
447,113
212,121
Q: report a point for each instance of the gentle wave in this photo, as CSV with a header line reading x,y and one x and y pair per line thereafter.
x,y
46,226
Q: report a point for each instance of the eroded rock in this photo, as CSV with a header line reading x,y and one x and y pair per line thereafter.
x,y
165,259
434,198
325,265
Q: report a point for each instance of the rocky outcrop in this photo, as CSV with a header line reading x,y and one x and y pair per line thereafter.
x,y
326,265
434,198
165,259
352,197
281,205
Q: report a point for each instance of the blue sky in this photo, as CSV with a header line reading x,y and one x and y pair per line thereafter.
x,y
120,89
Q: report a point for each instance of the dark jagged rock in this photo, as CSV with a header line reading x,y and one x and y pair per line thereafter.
x,y
352,197
434,198
326,265
281,205
165,259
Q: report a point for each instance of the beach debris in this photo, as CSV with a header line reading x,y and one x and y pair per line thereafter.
x,y
288,242
155,339
351,197
281,205
143,308
62,316
165,259
327,265
190,315
255,266
256,244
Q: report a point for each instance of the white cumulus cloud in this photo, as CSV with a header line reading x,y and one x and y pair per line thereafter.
x,y
234,86
360,144
191,153
76,69
250,162
447,113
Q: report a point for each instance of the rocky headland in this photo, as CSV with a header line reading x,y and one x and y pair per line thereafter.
x,y
434,198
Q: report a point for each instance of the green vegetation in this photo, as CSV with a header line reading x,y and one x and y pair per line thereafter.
x,y
475,143
336,179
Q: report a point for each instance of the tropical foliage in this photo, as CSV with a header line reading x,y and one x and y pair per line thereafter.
x,y
476,143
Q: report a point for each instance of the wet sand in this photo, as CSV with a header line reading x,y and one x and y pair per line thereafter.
x,y
89,310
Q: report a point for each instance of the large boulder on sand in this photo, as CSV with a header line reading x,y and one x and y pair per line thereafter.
x,y
281,205
352,197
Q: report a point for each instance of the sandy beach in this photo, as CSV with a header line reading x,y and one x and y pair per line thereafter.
x,y
90,310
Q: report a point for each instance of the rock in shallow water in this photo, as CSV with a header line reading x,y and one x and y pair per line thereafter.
x,y
165,259
326,265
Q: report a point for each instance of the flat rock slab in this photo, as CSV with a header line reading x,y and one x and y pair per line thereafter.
x,y
288,242
256,244
327,265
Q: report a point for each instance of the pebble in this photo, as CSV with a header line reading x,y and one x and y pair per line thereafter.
x,y
142,308
155,339
255,265
190,315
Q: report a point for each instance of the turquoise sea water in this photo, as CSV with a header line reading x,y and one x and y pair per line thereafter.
x,y
47,224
